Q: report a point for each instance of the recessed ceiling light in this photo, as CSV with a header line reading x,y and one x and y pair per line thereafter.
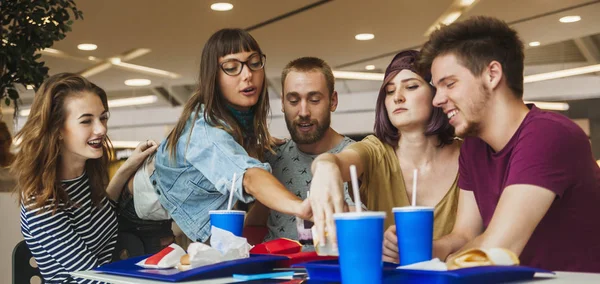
x,y
466,3
534,43
364,36
87,46
92,58
370,67
137,82
221,6
570,19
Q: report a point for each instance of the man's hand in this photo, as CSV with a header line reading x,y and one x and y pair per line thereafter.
x,y
305,211
390,245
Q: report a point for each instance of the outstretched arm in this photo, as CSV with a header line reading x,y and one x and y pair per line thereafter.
x,y
269,191
327,190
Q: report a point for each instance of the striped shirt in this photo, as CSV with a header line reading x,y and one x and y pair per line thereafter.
x,y
81,237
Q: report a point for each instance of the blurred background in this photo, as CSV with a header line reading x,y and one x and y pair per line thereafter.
x,y
146,53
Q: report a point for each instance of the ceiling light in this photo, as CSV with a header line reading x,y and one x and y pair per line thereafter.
x,y
144,100
115,60
466,3
221,6
358,75
125,144
150,70
364,36
95,69
370,67
534,43
570,19
526,79
87,46
550,105
115,103
24,112
562,73
137,82
92,58
450,18
51,50
132,54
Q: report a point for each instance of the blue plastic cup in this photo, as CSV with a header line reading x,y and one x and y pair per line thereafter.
x,y
414,227
360,243
228,220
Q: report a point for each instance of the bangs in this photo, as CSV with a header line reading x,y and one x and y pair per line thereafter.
x,y
386,81
236,41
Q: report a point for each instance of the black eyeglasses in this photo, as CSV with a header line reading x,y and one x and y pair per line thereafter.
x,y
233,67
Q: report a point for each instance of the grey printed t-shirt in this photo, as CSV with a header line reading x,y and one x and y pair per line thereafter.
x,y
292,168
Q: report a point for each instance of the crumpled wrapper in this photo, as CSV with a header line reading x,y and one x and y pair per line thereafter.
x,y
224,246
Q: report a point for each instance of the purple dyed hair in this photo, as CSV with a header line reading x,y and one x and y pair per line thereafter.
x,y
438,122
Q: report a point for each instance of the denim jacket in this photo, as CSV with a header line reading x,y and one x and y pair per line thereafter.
x,y
200,178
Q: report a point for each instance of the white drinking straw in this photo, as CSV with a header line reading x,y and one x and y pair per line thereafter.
x,y
231,192
414,189
354,178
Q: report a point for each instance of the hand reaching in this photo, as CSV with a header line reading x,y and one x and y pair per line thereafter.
x,y
326,198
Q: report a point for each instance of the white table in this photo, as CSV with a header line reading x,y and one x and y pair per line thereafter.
x,y
559,278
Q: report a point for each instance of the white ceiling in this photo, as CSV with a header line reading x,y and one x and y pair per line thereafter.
x,y
175,32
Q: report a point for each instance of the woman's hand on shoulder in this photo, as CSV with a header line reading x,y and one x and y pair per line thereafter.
x,y
139,155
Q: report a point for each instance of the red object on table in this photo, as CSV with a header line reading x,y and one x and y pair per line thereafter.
x,y
290,249
255,234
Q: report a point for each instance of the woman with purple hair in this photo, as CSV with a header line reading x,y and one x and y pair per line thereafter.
x,y
409,134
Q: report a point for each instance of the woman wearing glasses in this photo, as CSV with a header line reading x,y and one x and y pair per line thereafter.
x,y
222,131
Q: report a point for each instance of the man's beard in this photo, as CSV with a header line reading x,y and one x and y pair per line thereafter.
x,y
477,107
310,137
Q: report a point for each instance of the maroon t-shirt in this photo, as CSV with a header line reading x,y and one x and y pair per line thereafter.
x,y
550,151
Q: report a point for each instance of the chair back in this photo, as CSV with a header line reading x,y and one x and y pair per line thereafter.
x,y
24,267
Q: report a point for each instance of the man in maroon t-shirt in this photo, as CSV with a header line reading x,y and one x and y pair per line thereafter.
x,y
528,180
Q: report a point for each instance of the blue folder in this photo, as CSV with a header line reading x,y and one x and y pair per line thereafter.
x,y
329,271
253,264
